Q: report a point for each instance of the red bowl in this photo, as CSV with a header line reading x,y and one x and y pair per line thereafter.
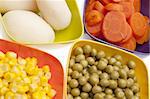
x,y
57,80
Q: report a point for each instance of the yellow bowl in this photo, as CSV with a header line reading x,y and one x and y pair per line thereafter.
x,y
140,70
73,32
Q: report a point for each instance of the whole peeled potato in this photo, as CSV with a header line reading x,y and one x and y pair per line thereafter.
x,y
55,12
27,27
7,5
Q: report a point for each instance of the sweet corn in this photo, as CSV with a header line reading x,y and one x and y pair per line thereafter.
x,y
23,79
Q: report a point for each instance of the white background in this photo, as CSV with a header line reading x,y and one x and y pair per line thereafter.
x,y
60,51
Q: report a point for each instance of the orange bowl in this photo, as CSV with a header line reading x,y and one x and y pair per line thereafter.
x,y
57,79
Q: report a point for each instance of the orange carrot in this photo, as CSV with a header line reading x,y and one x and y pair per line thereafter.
x,y
91,1
94,17
98,6
147,19
128,8
137,5
129,33
114,25
130,44
117,0
137,23
114,7
94,30
105,2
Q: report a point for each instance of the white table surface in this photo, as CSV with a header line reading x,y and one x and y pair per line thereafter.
x,y
60,51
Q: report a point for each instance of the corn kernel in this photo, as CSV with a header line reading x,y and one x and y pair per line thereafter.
x,y
11,55
48,75
33,87
23,89
44,80
9,95
21,61
9,76
26,80
3,90
5,83
39,95
1,73
12,62
46,68
2,97
52,93
5,68
2,55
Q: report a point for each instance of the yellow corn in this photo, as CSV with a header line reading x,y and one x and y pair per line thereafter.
x,y
11,55
9,95
46,68
2,55
9,76
3,90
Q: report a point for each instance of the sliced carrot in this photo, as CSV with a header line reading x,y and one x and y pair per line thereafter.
x,y
117,0
128,8
98,6
130,44
137,23
105,2
90,6
114,25
114,7
147,19
94,17
91,1
137,5
129,33
94,30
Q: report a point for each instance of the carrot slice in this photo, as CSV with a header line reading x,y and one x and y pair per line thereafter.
x,y
137,5
91,1
94,30
129,33
147,19
98,6
137,23
128,8
94,17
114,26
105,2
90,6
114,7
117,0
130,44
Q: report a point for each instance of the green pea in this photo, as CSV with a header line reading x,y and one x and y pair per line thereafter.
x,y
72,62
108,97
100,54
98,96
87,49
115,68
78,97
112,61
135,88
120,94
114,75
87,87
118,57
104,59
75,92
104,76
109,69
122,73
69,96
131,64
75,74
73,83
96,89
82,80
79,58
93,52
77,67
90,60
84,63
104,82
128,93
122,83
118,64
113,84
131,73
93,69
101,65
68,89
84,95
70,71
93,80
130,82
68,79
108,91
78,51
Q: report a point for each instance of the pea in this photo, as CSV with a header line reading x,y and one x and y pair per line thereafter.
x,y
70,96
131,73
128,93
68,79
122,73
90,61
108,57
73,83
135,79
93,69
79,58
84,63
101,65
98,96
104,59
114,75
87,49
113,84
72,62
96,63
93,80
112,61
96,89
131,64
136,97
73,57
108,97
84,95
104,82
93,52
125,67
75,74
108,91
77,67
87,87
120,94
85,71
115,68
75,92
122,83
78,51
104,76
68,89
78,97
99,72
118,57
135,88
118,90
69,71
130,82
100,54
82,80
118,64
109,69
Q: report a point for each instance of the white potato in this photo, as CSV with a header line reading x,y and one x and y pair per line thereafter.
x,y
55,12
28,27
7,5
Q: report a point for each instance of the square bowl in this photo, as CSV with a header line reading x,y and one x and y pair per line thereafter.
x,y
141,49
57,79
140,70
73,32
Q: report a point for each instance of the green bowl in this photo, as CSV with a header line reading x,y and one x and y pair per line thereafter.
x,y
73,32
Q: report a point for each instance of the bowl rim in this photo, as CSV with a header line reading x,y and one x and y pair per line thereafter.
x,y
54,42
112,47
